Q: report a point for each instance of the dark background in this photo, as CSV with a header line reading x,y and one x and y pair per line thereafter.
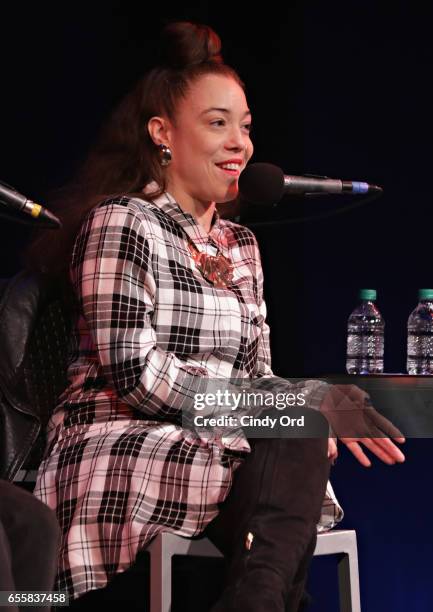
x,y
337,89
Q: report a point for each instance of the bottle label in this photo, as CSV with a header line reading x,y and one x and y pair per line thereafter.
x,y
365,345
420,344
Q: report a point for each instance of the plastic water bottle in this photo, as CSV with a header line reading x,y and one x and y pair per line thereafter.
x,y
420,335
365,330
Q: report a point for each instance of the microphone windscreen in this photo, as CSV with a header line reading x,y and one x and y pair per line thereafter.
x,y
262,183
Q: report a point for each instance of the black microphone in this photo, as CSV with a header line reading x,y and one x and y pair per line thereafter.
x,y
266,184
16,201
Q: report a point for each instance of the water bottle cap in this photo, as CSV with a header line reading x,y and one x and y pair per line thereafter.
x,y
368,294
425,294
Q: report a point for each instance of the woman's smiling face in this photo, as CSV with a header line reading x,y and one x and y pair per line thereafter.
x,y
212,126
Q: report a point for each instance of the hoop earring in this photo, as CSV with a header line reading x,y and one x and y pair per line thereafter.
x,y
165,155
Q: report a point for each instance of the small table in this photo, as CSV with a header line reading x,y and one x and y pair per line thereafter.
x,y
407,401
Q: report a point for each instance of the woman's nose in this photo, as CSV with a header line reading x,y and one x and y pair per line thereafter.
x,y
237,139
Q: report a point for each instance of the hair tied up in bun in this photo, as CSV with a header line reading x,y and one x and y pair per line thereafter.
x,y
186,44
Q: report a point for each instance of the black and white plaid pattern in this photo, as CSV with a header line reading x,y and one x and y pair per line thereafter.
x,y
119,467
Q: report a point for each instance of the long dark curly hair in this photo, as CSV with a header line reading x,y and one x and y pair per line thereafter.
x,y
124,158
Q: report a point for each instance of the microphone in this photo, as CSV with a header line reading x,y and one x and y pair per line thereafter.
x,y
265,184
16,201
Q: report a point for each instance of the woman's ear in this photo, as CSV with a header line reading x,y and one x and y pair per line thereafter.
x,y
159,130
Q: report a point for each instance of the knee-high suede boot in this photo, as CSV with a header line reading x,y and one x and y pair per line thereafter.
x,y
266,527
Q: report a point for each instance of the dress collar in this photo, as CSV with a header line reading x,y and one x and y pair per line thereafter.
x,y
167,203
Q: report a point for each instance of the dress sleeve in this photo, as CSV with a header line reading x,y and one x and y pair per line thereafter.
x,y
263,364
114,280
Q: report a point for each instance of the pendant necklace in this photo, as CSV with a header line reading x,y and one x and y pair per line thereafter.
x,y
216,269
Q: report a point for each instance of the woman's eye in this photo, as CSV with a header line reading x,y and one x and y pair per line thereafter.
x,y
218,122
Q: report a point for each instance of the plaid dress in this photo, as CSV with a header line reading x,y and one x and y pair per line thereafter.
x,y
119,467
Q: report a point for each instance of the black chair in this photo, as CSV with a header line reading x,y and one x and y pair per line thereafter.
x,y
35,325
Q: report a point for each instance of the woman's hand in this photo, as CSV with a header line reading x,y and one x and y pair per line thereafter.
x,y
354,421
332,450
383,448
